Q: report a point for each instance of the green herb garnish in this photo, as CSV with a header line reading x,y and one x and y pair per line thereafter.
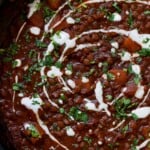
x,y
78,115
144,52
115,5
121,106
17,86
147,12
40,44
33,131
130,19
87,139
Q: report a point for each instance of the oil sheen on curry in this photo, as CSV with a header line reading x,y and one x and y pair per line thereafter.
x,y
77,76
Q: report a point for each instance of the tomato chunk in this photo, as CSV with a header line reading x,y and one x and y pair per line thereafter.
x,y
120,76
130,45
54,4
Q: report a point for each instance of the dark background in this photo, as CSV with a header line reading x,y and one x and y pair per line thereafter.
x,y
12,15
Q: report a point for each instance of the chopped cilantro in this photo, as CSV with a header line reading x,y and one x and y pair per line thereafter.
x,y
34,102
110,76
87,139
38,6
70,5
32,53
134,116
134,144
40,44
62,97
115,5
78,115
109,97
62,110
121,106
48,14
146,40
27,37
144,52
14,63
112,146
125,129
48,61
77,20
105,67
130,19
17,86
110,16
147,12
137,79
58,64
33,131
69,67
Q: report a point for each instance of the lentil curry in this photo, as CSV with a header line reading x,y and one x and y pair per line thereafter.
x,y
77,76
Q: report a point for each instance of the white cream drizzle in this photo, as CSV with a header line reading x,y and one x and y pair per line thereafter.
x,y
85,80
14,95
99,96
117,126
126,56
32,8
70,131
20,31
71,83
70,20
29,104
140,92
145,98
46,27
54,72
141,112
129,1
115,44
117,17
133,34
35,30
87,45
136,69
19,62
142,145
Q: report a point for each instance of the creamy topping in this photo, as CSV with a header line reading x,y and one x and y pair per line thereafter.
x,y
136,69
142,145
99,97
115,44
70,131
33,7
14,94
85,80
126,56
18,62
140,92
54,72
71,83
116,17
35,30
117,126
142,112
70,20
